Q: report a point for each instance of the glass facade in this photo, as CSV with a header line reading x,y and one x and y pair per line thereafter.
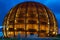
x,y
30,18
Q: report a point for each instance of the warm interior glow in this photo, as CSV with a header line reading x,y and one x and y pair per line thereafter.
x,y
15,28
53,32
9,32
7,28
30,18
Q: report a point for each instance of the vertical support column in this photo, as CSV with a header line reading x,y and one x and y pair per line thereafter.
x,y
6,25
5,29
14,19
38,20
26,19
48,23
55,25
6,32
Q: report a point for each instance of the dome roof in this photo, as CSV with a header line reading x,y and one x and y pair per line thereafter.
x,y
30,18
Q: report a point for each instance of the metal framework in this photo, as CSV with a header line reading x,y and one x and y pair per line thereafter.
x,y
30,18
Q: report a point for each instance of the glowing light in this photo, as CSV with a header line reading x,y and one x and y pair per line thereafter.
x,y
27,14
7,22
8,32
16,15
11,32
48,22
15,21
47,16
36,15
34,18
37,21
53,32
15,28
7,28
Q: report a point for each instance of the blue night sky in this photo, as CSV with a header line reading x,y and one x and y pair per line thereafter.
x,y
6,5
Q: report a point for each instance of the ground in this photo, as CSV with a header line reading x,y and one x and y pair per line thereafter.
x,y
30,38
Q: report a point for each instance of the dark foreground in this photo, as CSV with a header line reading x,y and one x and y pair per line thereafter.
x,y
30,38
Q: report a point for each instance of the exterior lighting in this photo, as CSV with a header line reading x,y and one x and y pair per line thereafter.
x,y
30,17
7,28
9,32
53,32
15,28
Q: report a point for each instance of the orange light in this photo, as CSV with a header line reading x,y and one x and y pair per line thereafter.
x,y
9,33
48,22
53,32
27,14
15,28
7,28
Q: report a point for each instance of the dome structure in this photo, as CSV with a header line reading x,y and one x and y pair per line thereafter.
x,y
30,18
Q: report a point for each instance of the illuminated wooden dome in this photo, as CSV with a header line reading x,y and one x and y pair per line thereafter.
x,y
30,18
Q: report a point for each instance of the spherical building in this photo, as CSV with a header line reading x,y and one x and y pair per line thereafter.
x,y
30,18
